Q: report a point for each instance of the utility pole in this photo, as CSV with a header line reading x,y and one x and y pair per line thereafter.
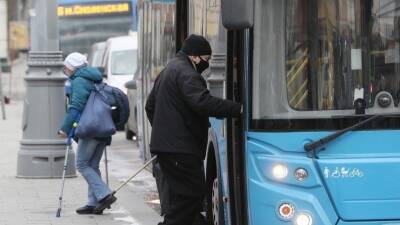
x,y
3,108
42,152
3,50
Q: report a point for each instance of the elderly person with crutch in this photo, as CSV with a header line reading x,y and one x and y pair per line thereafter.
x,y
82,79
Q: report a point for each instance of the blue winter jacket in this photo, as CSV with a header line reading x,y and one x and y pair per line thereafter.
x,y
82,83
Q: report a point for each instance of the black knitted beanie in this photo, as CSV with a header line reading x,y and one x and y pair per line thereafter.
x,y
196,45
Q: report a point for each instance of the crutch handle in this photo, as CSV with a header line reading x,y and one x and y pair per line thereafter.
x,y
71,134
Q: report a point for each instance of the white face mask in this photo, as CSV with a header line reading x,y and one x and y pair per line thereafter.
x,y
67,72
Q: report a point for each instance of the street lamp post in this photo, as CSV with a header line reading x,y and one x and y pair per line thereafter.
x,y
3,50
41,153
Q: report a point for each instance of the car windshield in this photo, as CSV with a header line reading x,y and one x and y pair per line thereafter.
x,y
123,62
97,57
321,55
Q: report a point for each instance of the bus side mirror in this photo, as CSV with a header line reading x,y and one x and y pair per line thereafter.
x,y
131,84
237,14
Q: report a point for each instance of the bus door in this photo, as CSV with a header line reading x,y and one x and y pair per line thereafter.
x,y
237,52
204,19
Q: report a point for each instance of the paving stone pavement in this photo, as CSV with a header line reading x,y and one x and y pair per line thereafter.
x,y
35,201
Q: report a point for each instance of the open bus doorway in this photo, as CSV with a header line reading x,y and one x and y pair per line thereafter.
x,y
236,64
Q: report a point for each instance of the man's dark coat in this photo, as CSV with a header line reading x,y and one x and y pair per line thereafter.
x,y
178,108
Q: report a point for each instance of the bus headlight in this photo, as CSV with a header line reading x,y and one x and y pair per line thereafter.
x,y
303,219
279,171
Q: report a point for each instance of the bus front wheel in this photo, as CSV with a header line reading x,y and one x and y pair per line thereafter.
x,y
216,206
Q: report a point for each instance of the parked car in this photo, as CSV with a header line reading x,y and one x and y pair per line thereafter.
x,y
119,60
97,53
119,65
131,127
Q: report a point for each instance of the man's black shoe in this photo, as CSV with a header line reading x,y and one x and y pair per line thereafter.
x,y
104,203
85,210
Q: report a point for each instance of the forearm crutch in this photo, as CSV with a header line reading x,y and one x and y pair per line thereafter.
x,y
69,146
135,174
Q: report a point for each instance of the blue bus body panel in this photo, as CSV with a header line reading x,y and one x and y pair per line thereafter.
x,y
370,223
217,126
265,194
355,178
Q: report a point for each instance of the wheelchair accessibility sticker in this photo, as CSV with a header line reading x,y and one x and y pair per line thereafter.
x,y
343,172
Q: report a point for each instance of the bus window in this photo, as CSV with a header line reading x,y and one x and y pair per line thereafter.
x,y
335,62
385,48
163,36
196,10
325,54
216,35
350,60
212,19
214,30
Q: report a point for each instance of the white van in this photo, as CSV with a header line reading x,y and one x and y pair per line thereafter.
x,y
119,66
96,54
119,60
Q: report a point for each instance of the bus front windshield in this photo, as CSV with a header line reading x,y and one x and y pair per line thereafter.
x,y
319,56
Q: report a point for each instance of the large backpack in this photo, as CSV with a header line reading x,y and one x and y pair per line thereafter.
x,y
118,101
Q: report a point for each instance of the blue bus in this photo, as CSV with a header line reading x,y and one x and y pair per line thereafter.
x,y
320,82
85,22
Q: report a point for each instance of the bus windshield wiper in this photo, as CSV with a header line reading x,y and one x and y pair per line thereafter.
x,y
312,146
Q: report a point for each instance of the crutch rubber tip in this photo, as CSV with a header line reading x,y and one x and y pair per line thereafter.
x,y
58,213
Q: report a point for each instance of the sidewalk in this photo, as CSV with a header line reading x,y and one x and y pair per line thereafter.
x,y
35,201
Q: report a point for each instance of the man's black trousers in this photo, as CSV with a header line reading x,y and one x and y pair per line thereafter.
x,y
184,189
